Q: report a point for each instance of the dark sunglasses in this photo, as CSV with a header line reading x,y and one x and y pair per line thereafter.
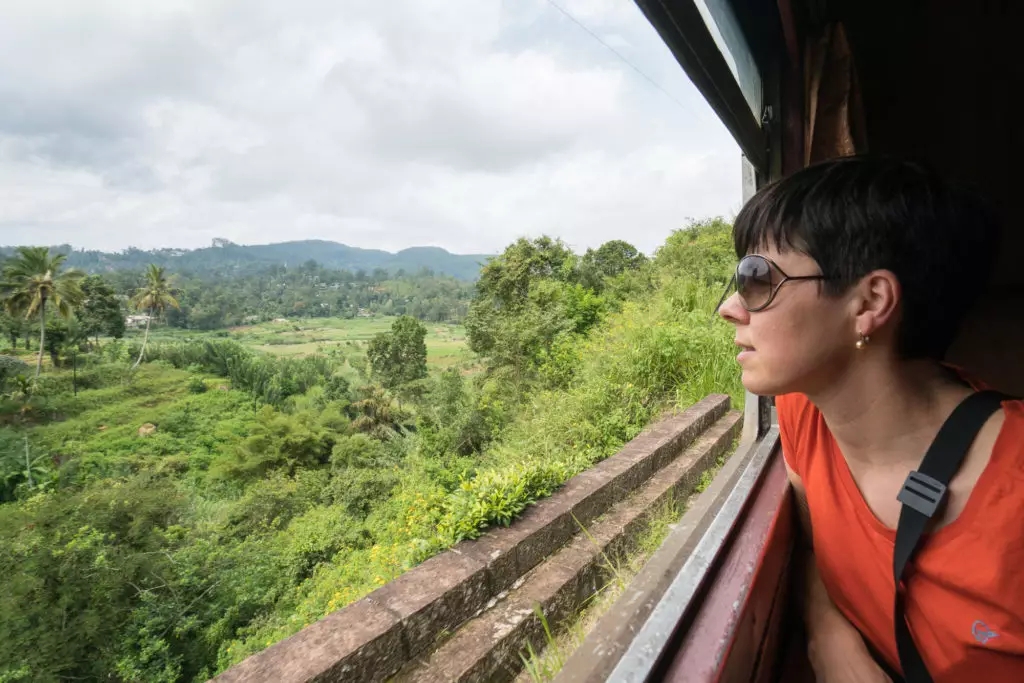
x,y
755,281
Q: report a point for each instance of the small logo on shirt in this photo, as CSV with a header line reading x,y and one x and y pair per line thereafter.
x,y
982,633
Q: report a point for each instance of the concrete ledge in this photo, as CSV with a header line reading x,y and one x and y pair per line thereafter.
x,y
350,644
443,592
600,652
370,640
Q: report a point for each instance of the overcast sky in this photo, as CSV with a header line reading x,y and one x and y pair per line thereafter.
x,y
457,123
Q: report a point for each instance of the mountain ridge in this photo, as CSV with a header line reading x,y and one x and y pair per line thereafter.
x,y
226,256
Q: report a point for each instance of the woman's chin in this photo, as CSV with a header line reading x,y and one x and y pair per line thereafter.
x,y
758,384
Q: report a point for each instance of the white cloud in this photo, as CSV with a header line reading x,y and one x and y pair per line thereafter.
x,y
457,123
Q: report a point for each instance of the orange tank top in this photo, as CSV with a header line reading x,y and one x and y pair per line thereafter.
x,y
965,585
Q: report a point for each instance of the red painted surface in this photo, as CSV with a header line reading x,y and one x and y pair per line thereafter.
x,y
736,634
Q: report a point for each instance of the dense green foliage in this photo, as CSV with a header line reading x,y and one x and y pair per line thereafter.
x,y
165,522
9,369
309,290
13,327
609,260
100,314
33,278
529,298
399,356
211,302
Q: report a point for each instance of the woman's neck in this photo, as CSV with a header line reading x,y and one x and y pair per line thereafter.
x,y
887,412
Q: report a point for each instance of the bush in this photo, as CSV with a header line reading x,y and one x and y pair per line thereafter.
x,y
316,536
359,491
73,567
278,442
11,367
52,384
358,450
101,376
196,385
454,419
269,504
496,496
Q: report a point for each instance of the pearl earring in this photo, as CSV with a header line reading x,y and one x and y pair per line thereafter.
x,y
862,342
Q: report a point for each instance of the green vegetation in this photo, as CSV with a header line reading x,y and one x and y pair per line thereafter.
x,y
308,291
399,356
100,313
31,280
344,338
162,522
154,297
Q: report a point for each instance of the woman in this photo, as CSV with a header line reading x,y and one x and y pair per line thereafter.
x,y
858,274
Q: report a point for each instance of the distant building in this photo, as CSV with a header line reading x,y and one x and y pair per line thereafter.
x,y
133,322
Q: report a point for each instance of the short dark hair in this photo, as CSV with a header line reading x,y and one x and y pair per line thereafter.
x,y
857,214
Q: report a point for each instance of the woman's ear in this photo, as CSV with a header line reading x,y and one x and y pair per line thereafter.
x,y
877,299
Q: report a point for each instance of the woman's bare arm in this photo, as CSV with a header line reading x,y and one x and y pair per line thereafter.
x,y
834,646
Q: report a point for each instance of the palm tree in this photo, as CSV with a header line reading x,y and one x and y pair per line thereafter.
x,y
377,413
32,279
153,297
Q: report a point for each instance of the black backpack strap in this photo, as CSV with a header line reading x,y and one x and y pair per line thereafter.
x,y
924,494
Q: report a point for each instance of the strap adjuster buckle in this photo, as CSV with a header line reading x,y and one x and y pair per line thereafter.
x,y
923,493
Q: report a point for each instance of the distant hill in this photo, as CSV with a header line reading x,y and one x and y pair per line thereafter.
x,y
225,257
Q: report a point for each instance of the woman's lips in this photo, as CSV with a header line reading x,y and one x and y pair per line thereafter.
x,y
745,351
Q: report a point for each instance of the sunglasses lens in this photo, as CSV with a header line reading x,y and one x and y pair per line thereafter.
x,y
754,281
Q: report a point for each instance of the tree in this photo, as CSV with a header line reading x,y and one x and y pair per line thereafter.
x,y
12,327
154,297
61,334
506,279
703,250
615,257
527,298
503,290
399,356
10,367
609,260
452,420
377,413
32,279
100,313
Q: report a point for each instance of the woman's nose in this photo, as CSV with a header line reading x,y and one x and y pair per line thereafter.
x,y
732,310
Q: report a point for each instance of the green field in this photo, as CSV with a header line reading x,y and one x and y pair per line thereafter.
x,y
446,344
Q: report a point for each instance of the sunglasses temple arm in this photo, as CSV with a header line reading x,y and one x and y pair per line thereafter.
x,y
728,287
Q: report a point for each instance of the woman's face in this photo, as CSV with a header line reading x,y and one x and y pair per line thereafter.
x,y
802,341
